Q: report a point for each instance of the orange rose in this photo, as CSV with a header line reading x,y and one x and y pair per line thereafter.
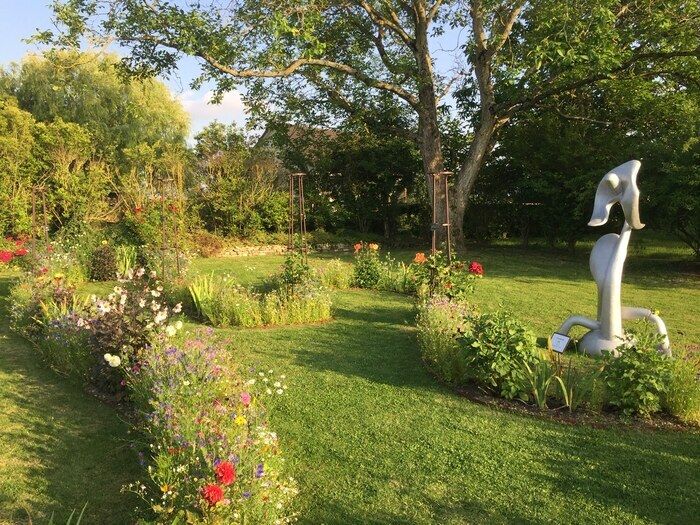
x,y
373,246
420,258
358,247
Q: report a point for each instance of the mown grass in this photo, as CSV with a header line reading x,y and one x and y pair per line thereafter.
x,y
369,433
373,439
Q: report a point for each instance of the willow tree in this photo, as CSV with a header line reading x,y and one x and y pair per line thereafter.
x,y
518,53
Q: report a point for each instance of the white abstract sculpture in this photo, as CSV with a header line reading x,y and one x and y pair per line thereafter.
x,y
606,262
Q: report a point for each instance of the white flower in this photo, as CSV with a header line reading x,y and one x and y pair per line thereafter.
x,y
140,272
113,360
122,301
142,303
155,293
155,306
280,391
277,384
159,288
268,391
160,317
251,382
153,274
178,325
170,330
178,308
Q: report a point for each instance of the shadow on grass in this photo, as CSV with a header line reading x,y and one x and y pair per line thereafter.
x,y
652,475
60,447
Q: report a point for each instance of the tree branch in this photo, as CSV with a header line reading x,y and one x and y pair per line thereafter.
x,y
526,102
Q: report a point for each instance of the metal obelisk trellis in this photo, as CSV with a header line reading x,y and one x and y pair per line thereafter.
x,y
297,205
440,184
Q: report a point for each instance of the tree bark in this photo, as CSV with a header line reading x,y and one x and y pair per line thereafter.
x,y
430,142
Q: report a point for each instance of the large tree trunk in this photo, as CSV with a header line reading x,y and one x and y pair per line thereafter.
x,y
430,142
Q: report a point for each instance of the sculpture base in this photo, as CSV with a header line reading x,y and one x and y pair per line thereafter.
x,y
594,343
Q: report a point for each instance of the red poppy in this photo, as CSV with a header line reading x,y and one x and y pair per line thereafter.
x,y
21,252
212,494
225,473
358,247
6,256
476,268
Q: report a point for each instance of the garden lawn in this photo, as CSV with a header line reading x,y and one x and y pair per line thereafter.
x,y
59,447
372,438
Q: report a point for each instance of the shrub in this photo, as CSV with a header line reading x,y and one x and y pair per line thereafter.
x,y
295,271
397,277
103,266
435,275
494,348
336,274
682,397
637,379
207,244
439,321
367,271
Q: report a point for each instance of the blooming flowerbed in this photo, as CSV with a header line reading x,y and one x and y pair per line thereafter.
x,y
210,455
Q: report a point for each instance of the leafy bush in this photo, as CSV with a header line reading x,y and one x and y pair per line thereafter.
x,y
439,322
336,274
435,275
103,266
207,244
682,397
637,379
495,347
295,271
368,268
397,276
222,302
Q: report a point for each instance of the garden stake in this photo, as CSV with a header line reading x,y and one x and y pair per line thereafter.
x,y
296,180
446,222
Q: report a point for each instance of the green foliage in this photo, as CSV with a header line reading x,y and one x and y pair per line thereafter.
x,y
295,271
336,274
435,275
126,256
439,322
495,348
222,302
637,379
104,263
368,267
682,396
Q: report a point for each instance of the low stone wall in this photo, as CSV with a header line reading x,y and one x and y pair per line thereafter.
x,y
277,249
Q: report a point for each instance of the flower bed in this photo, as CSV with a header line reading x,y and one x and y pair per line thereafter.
x,y
210,456
493,351
295,298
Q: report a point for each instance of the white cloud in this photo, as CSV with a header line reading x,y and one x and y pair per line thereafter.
x,y
202,112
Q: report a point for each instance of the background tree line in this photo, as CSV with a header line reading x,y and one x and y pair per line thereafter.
x,y
93,147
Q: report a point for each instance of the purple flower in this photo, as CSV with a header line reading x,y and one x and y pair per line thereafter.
x,y
260,471
246,494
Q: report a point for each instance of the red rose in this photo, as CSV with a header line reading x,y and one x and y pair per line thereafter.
x,y
21,252
476,268
212,494
225,473
6,256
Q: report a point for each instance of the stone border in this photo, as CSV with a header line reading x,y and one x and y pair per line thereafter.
x,y
277,249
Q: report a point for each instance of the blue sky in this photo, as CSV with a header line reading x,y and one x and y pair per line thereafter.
x,y
19,19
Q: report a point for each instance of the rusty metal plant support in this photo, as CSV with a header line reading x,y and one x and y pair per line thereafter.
x,y
440,180
296,196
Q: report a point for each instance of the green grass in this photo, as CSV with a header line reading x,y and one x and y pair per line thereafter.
x,y
373,438
59,447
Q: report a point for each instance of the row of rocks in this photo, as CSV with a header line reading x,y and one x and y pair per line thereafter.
x,y
278,249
